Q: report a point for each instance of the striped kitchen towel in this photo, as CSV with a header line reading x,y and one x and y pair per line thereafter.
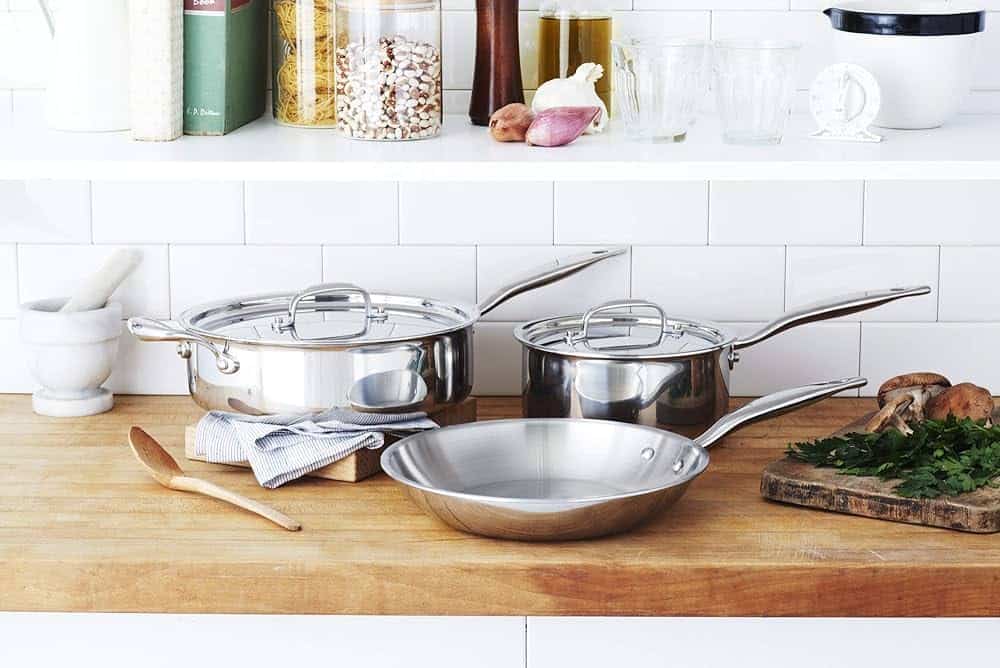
x,y
280,448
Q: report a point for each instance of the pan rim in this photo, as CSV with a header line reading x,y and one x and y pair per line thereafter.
x,y
690,475
523,333
465,316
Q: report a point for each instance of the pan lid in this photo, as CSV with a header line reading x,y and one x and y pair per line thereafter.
x,y
324,316
627,329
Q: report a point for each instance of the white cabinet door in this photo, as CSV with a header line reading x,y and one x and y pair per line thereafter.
x,y
55,640
759,643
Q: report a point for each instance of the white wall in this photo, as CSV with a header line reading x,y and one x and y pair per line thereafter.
x,y
738,252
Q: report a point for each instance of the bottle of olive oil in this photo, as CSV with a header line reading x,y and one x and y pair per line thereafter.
x,y
573,32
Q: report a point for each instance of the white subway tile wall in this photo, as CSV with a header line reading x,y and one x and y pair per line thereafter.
x,y
646,212
731,252
779,213
330,213
969,276
25,44
201,274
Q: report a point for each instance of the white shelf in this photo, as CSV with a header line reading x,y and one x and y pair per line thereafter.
x,y
967,148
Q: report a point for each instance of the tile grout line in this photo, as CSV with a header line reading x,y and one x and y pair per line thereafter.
x,y
170,287
553,222
708,213
937,312
864,210
90,208
17,273
525,641
243,203
784,283
861,338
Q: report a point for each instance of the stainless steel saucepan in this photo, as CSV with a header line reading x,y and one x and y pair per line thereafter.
x,y
631,361
336,345
564,479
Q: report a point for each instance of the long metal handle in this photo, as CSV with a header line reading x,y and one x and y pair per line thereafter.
x,y
543,276
825,310
49,18
150,329
776,404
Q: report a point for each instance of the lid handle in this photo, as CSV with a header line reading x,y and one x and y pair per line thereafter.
x,y
618,305
331,292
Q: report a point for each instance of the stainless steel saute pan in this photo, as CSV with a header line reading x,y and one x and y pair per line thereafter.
x,y
633,362
336,345
563,479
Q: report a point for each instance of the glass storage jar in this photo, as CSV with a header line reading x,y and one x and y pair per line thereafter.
x,y
388,69
303,37
573,32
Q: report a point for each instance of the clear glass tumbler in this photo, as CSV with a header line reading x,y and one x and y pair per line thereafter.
x,y
754,86
659,85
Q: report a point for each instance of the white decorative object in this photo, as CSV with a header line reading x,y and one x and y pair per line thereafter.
x,y
579,90
844,100
156,72
88,81
70,355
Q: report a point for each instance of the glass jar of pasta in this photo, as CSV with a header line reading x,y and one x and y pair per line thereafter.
x,y
388,69
304,93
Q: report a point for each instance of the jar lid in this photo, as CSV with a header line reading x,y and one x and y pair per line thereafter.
x,y
899,17
624,330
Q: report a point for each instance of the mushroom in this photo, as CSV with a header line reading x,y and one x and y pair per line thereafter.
x,y
964,400
902,399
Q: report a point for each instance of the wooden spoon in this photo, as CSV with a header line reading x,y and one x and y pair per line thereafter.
x,y
167,472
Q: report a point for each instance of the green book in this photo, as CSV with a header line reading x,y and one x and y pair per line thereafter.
x,y
225,64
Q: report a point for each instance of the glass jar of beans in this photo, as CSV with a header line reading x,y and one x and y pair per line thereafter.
x,y
388,69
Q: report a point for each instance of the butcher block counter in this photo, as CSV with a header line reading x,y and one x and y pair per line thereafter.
x,y
84,528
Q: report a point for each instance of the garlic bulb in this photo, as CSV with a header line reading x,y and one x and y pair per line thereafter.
x,y
576,91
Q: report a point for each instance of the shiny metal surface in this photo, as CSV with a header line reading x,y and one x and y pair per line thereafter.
x,y
654,370
564,479
336,345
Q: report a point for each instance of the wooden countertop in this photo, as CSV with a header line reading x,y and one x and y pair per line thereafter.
x,y
82,528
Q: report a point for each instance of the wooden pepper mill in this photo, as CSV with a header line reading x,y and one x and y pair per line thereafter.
x,y
497,80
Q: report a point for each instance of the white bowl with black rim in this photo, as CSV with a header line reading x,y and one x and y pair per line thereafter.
x,y
920,51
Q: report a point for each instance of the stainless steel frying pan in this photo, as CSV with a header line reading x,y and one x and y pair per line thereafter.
x,y
564,479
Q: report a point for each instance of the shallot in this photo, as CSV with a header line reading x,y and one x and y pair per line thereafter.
x,y
560,125
510,123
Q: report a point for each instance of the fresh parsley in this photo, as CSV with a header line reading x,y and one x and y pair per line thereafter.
x,y
940,458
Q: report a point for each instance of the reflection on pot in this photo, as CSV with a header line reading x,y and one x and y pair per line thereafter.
x,y
391,380
621,391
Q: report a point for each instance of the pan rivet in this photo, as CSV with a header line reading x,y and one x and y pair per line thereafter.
x,y
678,465
647,454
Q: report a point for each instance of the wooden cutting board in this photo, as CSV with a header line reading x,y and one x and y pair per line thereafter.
x,y
803,484
364,463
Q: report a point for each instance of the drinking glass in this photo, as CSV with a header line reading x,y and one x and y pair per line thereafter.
x,y
659,85
754,86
